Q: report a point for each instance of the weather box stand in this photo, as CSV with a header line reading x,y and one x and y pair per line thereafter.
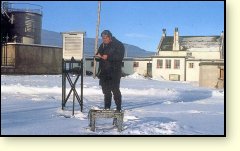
x,y
72,64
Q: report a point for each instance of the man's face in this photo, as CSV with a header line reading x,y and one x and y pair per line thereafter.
x,y
106,39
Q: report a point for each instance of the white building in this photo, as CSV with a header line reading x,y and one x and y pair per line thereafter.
x,y
178,57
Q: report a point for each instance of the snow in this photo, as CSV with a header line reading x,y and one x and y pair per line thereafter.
x,y
159,78
135,75
31,105
210,43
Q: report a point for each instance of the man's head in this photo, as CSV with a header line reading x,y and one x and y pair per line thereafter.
x,y
106,36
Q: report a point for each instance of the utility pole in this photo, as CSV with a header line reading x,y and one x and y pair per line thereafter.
x,y
96,40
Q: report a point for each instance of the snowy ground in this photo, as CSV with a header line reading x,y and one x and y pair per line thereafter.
x,y
31,105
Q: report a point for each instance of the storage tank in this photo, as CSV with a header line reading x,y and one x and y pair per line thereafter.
x,y
27,20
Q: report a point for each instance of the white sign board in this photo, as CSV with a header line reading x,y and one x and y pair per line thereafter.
x,y
73,45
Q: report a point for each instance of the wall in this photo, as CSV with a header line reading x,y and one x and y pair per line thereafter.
x,y
192,74
142,68
163,72
8,55
198,55
35,59
210,74
128,65
172,53
206,54
127,69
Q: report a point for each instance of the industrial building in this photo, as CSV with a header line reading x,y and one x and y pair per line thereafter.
x,y
21,49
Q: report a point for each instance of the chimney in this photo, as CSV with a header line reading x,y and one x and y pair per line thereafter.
x,y
176,40
163,32
161,41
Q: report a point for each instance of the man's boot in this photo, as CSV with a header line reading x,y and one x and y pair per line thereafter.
x,y
118,104
107,103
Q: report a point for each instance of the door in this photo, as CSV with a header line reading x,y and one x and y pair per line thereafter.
x,y
149,69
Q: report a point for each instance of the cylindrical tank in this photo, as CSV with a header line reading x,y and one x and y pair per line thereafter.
x,y
27,24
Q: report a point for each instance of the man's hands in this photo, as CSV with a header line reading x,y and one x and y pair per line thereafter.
x,y
104,57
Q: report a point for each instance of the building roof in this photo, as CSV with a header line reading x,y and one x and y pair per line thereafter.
x,y
191,42
167,43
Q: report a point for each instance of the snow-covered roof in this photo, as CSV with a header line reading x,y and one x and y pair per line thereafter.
x,y
190,43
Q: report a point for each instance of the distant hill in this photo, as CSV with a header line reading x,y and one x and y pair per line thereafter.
x,y
55,39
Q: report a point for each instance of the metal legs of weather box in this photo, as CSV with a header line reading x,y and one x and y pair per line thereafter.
x,y
73,67
117,117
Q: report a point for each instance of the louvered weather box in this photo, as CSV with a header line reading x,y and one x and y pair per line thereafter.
x,y
73,45
72,64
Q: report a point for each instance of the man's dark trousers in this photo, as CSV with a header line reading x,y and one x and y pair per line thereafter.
x,y
108,88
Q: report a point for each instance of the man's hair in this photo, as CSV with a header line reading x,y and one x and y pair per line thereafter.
x,y
107,33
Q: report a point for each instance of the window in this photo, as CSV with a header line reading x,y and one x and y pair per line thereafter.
x,y
122,64
191,65
168,64
135,64
221,74
92,64
176,64
159,63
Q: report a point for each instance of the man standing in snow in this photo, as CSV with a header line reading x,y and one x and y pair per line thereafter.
x,y
110,54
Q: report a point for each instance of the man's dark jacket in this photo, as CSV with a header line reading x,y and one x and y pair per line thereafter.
x,y
110,70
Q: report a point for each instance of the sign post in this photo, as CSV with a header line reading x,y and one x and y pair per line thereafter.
x,y
72,63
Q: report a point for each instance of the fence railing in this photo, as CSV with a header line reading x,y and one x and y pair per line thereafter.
x,y
23,7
